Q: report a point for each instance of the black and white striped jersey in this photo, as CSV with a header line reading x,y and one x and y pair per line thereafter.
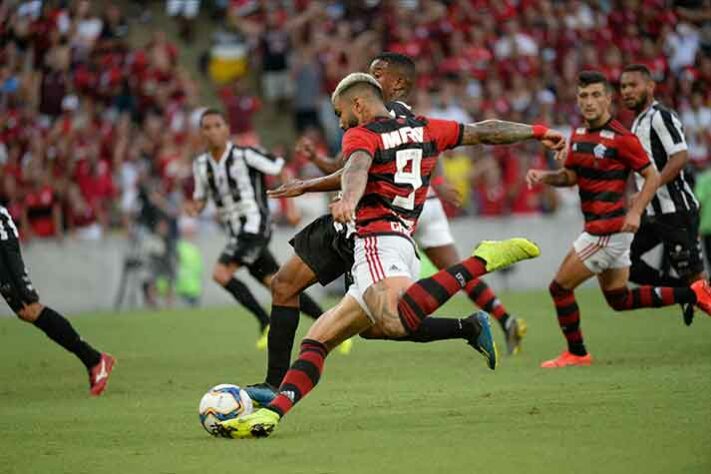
x,y
662,135
236,184
7,226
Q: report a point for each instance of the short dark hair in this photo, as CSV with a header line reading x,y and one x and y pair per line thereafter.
x,y
587,78
640,68
211,111
402,61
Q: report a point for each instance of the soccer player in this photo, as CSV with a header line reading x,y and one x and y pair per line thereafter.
x,y
323,251
23,299
234,177
600,157
672,217
389,162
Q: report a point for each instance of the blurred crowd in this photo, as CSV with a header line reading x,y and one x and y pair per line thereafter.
x,y
96,132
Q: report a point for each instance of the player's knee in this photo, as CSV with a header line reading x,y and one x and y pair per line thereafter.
x,y
220,275
283,288
30,312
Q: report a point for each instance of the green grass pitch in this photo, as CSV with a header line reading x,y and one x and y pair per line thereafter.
x,y
645,406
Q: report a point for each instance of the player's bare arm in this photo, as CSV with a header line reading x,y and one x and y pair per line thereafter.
x,y
297,187
634,215
324,163
562,178
675,164
353,182
500,132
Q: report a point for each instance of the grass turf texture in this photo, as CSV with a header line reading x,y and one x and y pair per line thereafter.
x,y
645,406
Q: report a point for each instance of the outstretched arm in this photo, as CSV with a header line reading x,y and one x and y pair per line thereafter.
x,y
562,178
500,132
297,187
353,182
326,164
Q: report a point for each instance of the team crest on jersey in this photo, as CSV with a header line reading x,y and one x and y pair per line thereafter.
x,y
599,151
580,131
609,134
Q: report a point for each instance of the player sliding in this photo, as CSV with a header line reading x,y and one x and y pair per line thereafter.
x,y
22,298
384,183
599,160
233,176
323,252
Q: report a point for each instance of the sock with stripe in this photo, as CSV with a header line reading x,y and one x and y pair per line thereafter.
x,y
424,296
568,314
241,293
60,330
485,298
441,329
623,299
301,378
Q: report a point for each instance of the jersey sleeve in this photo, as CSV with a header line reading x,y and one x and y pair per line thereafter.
x,y
447,134
199,193
359,139
570,161
263,161
633,153
670,132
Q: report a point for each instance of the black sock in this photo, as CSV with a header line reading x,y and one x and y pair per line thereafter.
x,y
60,330
441,329
284,322
245,297
308,306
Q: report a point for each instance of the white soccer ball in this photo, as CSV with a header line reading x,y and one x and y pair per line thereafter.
x,y
223,402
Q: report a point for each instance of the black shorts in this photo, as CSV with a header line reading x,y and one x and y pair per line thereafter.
x,y
15,284
327,251
679,234
251,251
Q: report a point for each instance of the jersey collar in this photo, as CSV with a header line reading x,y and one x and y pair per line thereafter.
x,y
223,158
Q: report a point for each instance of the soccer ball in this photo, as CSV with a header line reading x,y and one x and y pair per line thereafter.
x,y
223,402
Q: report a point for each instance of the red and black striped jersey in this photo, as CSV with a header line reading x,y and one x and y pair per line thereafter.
x,y
404,151
603,158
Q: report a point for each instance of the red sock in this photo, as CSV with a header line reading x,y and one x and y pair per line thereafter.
x,y
568,313
301,378
424,296
623,299
485,298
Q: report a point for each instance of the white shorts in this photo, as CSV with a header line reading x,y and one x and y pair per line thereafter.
x,y
433,226
602,252
378,257
186,8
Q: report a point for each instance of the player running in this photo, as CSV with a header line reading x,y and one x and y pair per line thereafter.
x,y
323,251
672,217
23,299
234,177
599,159
389,162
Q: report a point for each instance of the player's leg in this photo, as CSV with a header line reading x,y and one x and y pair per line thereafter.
x,y
20,295
423,297
570,275
240,251
342,322
288,282
481,295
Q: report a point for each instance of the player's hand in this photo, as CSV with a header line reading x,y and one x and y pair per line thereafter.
x,y
290,189
632,221
553,140
305,146
534,177
562,154
342,211
191,208
449,193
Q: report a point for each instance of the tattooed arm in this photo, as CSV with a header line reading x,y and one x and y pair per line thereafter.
x,y
562,178
500,132
353,182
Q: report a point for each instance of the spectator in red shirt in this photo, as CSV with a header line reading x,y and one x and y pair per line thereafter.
x,y
42,212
